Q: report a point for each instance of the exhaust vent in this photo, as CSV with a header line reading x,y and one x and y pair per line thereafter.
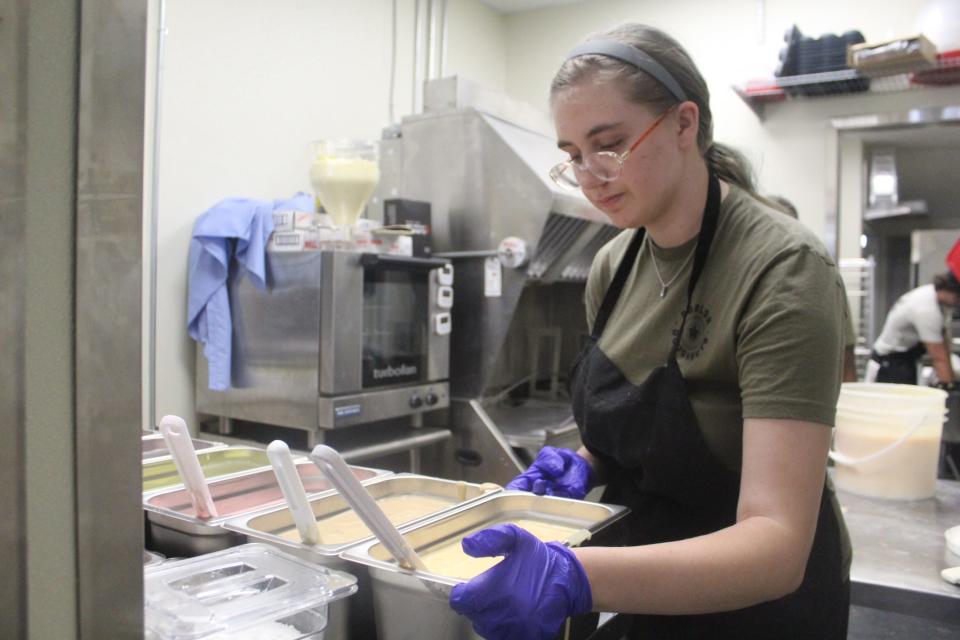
x,y
567,248
578,269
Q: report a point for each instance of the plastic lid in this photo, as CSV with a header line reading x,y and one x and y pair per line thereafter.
x,y
233,589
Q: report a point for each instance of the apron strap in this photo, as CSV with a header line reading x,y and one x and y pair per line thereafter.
x,y
708,229
616,285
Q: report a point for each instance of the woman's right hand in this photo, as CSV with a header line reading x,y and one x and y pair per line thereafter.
x,y
556,472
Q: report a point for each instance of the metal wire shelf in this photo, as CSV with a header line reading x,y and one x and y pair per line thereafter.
x,y
758,94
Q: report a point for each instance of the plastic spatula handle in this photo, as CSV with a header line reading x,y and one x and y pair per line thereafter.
x,y
292,487
177,437
333,466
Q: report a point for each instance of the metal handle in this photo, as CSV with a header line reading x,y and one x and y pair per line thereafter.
x,y
379,261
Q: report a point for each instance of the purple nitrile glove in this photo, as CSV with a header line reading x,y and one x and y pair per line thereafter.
x,y
556,472
529,594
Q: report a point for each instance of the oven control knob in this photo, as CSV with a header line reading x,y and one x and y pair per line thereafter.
x,y
416,401
431,398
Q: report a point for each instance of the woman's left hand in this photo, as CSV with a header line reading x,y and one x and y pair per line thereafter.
x,y
529,594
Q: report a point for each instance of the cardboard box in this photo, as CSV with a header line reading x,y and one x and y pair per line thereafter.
x,y
295,240
900,55
290,220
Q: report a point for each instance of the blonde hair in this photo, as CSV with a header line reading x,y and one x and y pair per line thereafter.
x,y
726,163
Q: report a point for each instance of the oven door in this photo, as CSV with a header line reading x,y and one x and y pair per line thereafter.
x,y
381,329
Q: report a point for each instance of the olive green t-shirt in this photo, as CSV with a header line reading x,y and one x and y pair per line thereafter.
x,y
765,335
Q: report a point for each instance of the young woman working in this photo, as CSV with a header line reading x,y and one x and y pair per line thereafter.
x,y
706,394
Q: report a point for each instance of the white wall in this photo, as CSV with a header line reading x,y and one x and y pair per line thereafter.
x,y
731,45
244,86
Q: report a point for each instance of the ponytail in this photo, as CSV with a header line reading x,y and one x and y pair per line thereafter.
x,y
729,165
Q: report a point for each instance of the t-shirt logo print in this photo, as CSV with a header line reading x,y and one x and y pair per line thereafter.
x,y
694,338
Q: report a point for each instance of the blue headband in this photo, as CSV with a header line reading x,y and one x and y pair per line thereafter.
x,y
631,55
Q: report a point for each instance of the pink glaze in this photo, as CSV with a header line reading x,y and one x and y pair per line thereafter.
x,y
236,496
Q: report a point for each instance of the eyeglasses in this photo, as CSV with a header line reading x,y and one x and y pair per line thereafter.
x,y
604,165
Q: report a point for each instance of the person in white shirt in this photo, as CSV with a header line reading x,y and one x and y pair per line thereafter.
x,y
915,325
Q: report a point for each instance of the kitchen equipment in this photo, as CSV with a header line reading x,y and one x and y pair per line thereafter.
x,y
251,592
339,339
887,440
293,492
175,530
952,536
277,526
397,591
177,437
161,472
336,470
483,162
344,175
151,559
153,445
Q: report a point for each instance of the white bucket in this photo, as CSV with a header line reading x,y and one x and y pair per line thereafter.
x,y
887,439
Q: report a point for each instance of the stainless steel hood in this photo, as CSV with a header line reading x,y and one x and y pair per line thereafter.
x,y
883,190
482,163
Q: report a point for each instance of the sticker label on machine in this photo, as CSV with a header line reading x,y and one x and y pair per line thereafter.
x,y
492,277
347,410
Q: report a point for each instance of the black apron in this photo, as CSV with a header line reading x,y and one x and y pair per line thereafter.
x,y
900,366
659,465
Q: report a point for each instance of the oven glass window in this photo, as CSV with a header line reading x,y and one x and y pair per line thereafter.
x,y
395,315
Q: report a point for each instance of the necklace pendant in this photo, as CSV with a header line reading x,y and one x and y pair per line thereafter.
x,y
663,291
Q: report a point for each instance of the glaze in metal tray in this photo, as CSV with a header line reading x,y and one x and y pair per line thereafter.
x,y
161,472
153,446
414,604
502,507
268,525
237,495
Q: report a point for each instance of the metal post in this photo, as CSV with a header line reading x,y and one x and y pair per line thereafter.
x,y
109,275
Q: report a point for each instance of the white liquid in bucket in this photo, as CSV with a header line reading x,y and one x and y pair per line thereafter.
x,y
909,472
870,420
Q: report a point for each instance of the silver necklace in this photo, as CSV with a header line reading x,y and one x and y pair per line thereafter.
x,y
656,269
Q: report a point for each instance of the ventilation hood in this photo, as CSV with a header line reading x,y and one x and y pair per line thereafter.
x,y
482,161
883,198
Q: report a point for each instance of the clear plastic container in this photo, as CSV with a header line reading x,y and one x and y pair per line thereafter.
x,y
344,175
253,591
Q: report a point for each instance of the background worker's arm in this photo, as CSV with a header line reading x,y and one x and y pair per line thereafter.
x,y
940,354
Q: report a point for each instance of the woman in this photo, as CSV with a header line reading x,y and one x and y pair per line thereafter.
x,y
706,394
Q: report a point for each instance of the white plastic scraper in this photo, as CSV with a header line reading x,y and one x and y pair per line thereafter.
x,y
292,488
333,466
177,437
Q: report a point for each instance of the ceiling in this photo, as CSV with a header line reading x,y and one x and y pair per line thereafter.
x,y
516,6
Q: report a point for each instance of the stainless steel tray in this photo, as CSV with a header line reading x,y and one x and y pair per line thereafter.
x,y
234,496
502,507
161,472
151,559
153,446
359,619
268,525
414,604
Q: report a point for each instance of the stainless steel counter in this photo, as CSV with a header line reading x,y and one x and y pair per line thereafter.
x,y
899,551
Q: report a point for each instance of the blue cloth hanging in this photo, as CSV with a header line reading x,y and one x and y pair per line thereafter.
x,y
241,226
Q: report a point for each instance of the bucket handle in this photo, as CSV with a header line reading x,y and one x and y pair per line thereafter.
x,y
849,461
